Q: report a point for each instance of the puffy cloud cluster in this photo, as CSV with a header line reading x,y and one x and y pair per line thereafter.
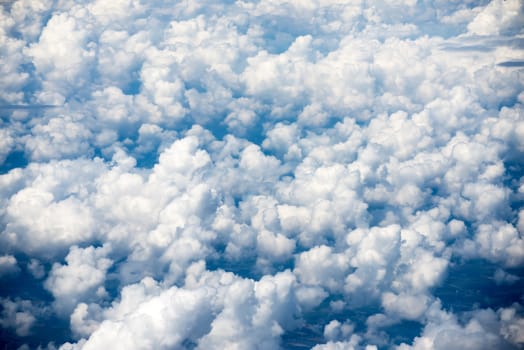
x,y
214,308
18,315
262,174
481,329
83,276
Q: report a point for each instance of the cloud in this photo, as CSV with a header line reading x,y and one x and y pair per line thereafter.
x,y
353,343
63,56
161,321
61,138
35,268
335,330
17,315
409,307
81,279
8,265
213,309
231,174
497,17
504,239
47,215
320,266
13,79
483,329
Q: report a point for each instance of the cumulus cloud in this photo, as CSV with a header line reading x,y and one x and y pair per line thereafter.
x,y
8,265
160,321
45,215
262,174
483,329
62,55
81,279
18,315
498,17
213,309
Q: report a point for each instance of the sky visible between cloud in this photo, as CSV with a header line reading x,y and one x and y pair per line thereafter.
x,y
296,174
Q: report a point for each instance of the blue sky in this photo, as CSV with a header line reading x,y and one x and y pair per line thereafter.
x,y
324,174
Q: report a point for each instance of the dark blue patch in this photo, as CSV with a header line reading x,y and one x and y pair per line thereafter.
x,y
44,331
217,128
311,332
15,159
378,212
511,64
514,166
132,88
24,286
404,332
147,161
244,268
304,337
256,134
48,326
470,285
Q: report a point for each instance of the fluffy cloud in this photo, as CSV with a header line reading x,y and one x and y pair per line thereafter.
x,y
483,329
81,279
63,55
160,321
213,309
19,315
242,174
499,17
320,266
8,265
48,214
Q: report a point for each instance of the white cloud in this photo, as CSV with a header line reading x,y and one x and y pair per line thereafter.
x,y
375,253
484,329
229,311
7,143
511,324
81,279
340,154
29,17
8,265
63,56
161,322
18,315
57,223
335,330
253,314
503,278
352,344
500,242
498,17
12,77
275,246
60,138
409,307
36,269
84,319
323,267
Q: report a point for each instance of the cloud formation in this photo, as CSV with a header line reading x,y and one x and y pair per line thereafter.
x,y
261,175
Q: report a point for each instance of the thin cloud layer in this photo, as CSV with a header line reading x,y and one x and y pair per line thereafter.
x,y
262,175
